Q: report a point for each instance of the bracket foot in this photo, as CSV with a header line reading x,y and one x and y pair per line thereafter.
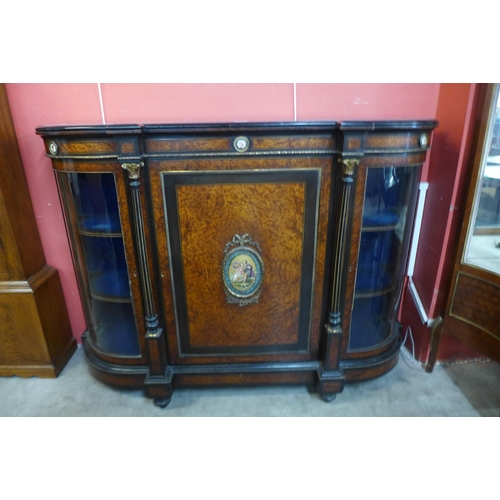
x,y
162,402
328,398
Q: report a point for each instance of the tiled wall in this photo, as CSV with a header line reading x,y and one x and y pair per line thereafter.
x,y
33,105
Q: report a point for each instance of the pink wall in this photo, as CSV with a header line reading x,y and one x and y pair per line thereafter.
x,y
33,105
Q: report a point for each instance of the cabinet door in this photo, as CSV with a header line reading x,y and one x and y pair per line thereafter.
x,y
95,225
242,246
385,201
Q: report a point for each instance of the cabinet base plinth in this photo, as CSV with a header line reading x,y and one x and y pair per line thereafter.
x,y
357,370
329,383
159,388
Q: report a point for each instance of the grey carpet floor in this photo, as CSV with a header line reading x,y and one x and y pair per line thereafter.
x,y
462,390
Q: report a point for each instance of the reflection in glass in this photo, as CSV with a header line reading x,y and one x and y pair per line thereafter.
x,y
483,242
98,234
381,254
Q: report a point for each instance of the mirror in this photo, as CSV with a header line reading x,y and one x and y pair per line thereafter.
x,y
482,248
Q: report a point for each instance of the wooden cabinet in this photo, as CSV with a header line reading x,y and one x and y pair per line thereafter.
x,y
35,333
218,254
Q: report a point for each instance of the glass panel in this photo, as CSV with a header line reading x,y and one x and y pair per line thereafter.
x,y
382,252
483,241
104,266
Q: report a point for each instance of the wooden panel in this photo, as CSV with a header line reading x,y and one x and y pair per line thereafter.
x,y
476,302
54,319
79,165
257,143
293,181
111,373
393,141
475,338
36,333
292,142
210,210
404,160
129,147
279,231
22,340
24,246
10,264
188,144
370,371
353,143
84,147
242,379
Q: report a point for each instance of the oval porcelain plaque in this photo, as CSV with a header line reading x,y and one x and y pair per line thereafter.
x,y
242,273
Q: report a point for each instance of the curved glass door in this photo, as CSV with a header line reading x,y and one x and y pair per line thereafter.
x,y
483,240
96,230
383,247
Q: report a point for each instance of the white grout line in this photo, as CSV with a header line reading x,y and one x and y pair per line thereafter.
x,y
100,100
295,102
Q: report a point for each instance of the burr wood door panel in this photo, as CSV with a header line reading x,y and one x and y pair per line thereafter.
x,y
242,256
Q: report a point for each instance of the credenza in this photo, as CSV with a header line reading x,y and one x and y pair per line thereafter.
x,y
241,253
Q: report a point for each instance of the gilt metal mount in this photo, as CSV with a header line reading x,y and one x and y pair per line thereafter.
x,y
133,169
242,270
348,165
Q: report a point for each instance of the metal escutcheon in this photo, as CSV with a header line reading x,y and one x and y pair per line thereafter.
x,y
241,144
53,148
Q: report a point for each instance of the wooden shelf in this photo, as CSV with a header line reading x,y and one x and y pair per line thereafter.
x,y
374,293
378,229
89,226
110,286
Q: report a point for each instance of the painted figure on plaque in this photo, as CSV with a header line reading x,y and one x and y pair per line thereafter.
x,y
244,272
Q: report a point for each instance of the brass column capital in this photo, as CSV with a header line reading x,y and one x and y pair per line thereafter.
x,y
349,165
133,169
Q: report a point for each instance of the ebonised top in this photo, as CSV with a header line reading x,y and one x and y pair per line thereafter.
x,y
113,129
